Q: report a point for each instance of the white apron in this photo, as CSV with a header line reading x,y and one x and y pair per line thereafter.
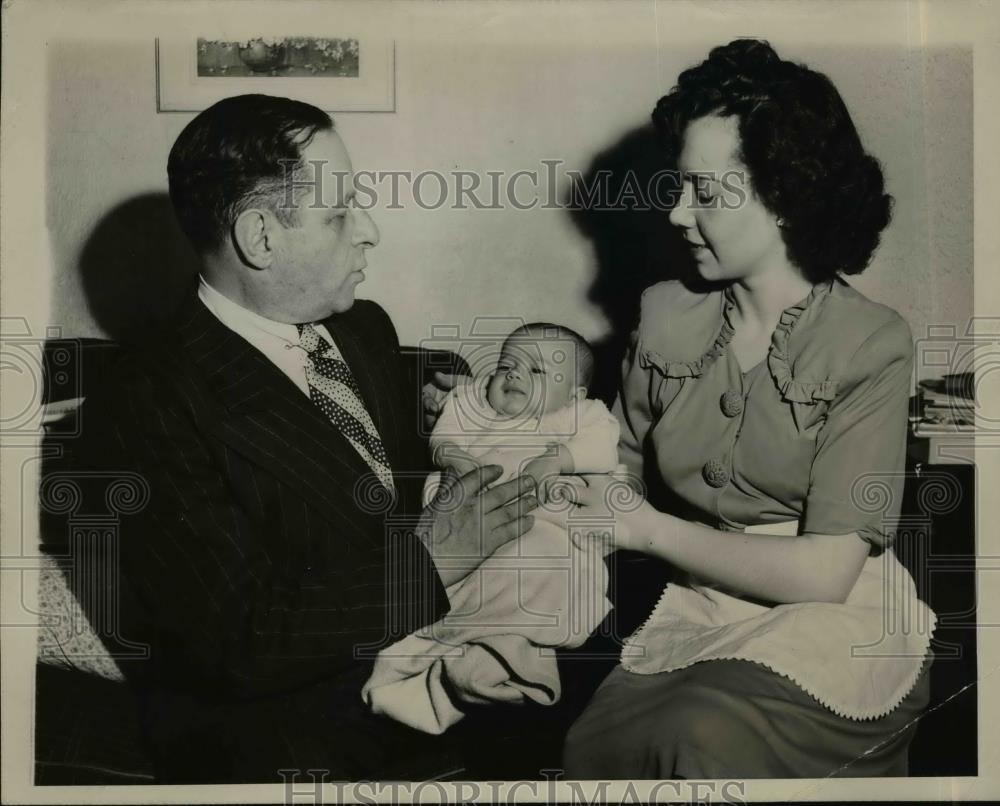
x,y
859,658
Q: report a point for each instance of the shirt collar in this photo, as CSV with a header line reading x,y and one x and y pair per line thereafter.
x,y
243,320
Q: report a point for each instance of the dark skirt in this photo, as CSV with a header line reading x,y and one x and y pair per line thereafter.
x,y
731,719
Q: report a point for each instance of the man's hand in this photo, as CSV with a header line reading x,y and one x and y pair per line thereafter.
x,y
433,395
464,524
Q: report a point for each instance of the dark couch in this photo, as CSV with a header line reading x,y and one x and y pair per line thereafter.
x,y
87,728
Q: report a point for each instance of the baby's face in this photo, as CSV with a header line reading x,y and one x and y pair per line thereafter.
x,y
534,375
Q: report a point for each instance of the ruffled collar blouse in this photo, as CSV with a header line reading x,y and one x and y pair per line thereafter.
x,y
815,433
811,440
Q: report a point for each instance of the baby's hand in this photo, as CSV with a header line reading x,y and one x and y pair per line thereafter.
x,y
545,470
433,394
450,455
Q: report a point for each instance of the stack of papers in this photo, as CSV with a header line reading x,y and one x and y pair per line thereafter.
x,y
947,405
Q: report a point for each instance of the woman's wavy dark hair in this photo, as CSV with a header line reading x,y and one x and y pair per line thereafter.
x,y
237,154
803,153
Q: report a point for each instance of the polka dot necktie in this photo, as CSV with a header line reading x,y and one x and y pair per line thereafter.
x,y
332,387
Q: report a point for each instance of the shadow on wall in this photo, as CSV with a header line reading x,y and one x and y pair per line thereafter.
x,y
634,243
136,267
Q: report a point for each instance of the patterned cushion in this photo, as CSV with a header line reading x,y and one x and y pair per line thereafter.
x,y
65,637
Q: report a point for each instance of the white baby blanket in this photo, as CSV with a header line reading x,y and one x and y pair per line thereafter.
x,y
497,643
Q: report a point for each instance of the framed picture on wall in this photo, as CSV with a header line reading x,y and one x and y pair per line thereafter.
x,y
338,73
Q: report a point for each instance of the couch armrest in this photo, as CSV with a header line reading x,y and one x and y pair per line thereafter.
x,y
420,366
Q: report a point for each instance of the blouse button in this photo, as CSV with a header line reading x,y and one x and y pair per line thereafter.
x,y
715,473
731,403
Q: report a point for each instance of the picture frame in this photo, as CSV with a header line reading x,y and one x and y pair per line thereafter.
x,y
337,73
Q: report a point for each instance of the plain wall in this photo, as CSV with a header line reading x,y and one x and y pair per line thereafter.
x,y
495,89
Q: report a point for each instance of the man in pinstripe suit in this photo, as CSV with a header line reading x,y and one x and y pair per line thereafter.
x,y
283,544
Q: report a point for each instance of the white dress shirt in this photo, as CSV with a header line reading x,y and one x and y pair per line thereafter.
x,y
278,341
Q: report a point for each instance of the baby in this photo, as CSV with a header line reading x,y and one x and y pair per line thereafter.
x,y
531,416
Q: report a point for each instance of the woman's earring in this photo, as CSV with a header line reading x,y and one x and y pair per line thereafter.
x,y
781,223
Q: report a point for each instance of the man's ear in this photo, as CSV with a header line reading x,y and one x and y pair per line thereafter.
x,y
580,393
253,238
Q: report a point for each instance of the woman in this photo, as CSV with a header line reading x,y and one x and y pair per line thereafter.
x,y
776,403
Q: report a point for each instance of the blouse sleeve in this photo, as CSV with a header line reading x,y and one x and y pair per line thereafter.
x,y
856,481
633,411
646,383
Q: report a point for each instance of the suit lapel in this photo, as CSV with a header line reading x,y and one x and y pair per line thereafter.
x,y
263,416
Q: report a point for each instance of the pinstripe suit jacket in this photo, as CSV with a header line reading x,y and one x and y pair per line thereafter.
x,y
257,569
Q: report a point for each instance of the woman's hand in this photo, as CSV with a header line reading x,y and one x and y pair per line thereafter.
x,y
631,520
433,395
547,468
